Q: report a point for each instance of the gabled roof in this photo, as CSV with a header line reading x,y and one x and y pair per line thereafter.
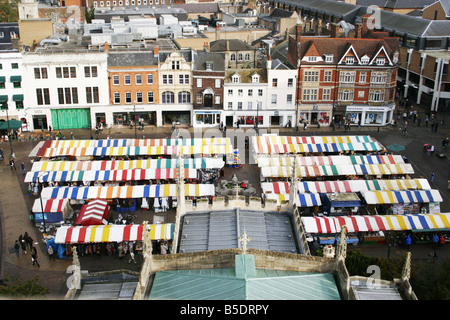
x,y
233,45
202,57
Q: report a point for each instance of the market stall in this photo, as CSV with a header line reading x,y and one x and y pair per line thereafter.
x,y
111,233
95,212
55,210
335,204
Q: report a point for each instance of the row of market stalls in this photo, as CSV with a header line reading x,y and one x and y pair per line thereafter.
x,y
347,180
103,175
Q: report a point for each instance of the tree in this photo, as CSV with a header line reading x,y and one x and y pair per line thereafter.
x,y
9,11
89,14
16,288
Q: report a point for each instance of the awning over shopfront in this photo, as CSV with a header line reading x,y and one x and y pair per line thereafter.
x,y
96,212
126,192
108,175
111,233
406,196
369,223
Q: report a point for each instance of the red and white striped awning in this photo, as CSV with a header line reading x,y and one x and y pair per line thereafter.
x,y
95,212
50,205
111,233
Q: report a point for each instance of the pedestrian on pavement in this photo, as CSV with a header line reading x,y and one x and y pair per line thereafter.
x,y
435,127
22,166
408,242
17,247
51,253
34,258
432,176
12,164
23,243
131,257
30,242
441,241
435,241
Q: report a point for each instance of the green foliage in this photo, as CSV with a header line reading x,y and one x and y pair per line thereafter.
x,y
89,14
16,288
9,11
357,265
430,279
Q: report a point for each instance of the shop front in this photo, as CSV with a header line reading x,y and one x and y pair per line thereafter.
x,y
315,114
177,117
206,118
370,116
71,119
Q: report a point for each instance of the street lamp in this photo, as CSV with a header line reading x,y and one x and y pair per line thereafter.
x,y
135,133
40,176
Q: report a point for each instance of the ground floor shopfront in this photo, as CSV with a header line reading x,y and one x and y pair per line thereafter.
x,y
370,115
317,114
264,118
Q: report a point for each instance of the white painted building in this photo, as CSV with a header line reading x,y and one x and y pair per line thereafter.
x,y
65,88
12,98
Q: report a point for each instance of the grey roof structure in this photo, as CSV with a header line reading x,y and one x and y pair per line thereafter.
x,y
217,230
333,8
132,59
203,57
233,45
187,54
396,4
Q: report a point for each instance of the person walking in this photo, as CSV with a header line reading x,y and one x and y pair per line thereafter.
x,y
51,253
435,127
426,121
408,242
23,244
17,248
432,176
12,164
441,241
22,166
34,258
30,242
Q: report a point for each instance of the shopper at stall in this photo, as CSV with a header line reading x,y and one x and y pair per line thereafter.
x,y
408,242
441,241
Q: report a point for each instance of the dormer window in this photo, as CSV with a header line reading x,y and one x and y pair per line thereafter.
x,y
365,60
235,78
312,59
328,58
381,61
255,78
349,60
209,65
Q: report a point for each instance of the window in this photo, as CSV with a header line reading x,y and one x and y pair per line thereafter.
x,y
116,80
326,94
19,104
16,84
230,92
239,105
67,95
347,77
310,94
274,82
345,95
376,96
43,96
290,83
235,78
349,60
233,57
40,73
139,97
93,72
327,75
362,77
249,105
240,57
378,77
167,79
328,58
184,97
73,72
92,95
381,61
209,66
14,66
183,79
312,59
289,99
365,60
149,78
150,97
168,97
199,98
58,72
255,78
310,76
199,83
230,105
138,79
247,57
127,97
217,83
260,92
127,79
116,97
65,72
273,99
217,99
250,92
175,65
240,92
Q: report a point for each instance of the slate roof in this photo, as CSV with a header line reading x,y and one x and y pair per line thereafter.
x,y
124,59
201,57
396,4
233,45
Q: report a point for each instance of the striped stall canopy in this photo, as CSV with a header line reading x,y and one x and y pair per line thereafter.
x,y
369,223
405,196
108,175
50,205
124,192
95,212
383,169
111,233
197,163
279,160
303,200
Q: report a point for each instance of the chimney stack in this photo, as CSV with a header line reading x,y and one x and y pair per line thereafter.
x,y
334,30
155,51
106,47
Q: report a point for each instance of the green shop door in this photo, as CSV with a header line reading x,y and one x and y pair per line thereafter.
x,y
71,119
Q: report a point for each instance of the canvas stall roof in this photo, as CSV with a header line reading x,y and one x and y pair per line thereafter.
x,y
197,163
112,233
346,186
108,175
126,192
116,147
405,196
50,205
216,230
95,212
302,200
369,223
